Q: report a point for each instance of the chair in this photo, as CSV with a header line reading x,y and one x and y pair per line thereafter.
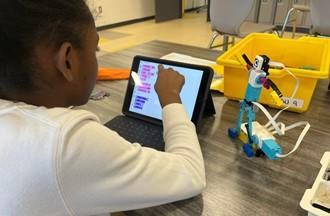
x,y
204,7
294,10
228,19
320,17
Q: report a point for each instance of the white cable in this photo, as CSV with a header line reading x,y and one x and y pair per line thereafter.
x,y
281,131
273,131
270,118
300,139
280,128
297,124
291,98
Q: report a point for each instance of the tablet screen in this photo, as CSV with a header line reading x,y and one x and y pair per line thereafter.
x,y
141,100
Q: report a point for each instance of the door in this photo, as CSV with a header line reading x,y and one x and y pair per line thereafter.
x,y
168,10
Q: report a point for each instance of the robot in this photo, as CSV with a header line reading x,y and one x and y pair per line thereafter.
x,y
258,140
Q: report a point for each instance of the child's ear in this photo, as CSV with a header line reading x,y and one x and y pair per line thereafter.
x,y
64,60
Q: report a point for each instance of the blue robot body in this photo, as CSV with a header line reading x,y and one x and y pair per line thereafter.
x,y
257,76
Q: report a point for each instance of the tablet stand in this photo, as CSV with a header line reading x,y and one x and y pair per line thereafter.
x,y
209,108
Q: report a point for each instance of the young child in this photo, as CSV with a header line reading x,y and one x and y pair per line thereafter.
x,y
58,161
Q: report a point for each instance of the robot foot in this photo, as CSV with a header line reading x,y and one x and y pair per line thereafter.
x,y
233,133
248,150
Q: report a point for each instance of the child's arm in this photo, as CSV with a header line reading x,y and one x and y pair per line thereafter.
x,y
101,172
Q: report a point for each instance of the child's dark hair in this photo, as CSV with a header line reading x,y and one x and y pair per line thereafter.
x,y
26,23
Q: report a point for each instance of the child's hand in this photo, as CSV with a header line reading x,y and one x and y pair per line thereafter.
x,y
168,86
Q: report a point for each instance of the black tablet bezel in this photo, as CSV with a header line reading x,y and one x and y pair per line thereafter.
x,y
201,96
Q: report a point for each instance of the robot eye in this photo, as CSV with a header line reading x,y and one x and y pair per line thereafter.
x,y
256,62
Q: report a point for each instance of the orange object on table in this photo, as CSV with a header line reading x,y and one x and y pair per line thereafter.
x,y
113,74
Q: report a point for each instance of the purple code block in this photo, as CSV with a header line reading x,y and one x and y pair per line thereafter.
x,y
143,90
140,101
142,98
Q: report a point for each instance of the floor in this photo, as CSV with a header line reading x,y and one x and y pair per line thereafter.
x,y
193,30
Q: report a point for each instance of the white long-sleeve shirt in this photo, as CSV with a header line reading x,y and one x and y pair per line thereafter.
x,y
64,162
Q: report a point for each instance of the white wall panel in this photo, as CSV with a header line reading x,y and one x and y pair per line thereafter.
x,y
114,11
117,11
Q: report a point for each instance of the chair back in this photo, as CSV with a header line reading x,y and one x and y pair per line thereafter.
x,y
227,15
320,16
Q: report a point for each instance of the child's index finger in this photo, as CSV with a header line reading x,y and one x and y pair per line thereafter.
x,y
160,67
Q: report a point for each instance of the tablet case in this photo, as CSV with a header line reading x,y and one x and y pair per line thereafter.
x,y
151,134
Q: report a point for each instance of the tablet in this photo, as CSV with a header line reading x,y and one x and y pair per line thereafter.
x,y
141,100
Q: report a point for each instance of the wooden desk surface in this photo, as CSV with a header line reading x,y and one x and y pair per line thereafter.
x,y
236,185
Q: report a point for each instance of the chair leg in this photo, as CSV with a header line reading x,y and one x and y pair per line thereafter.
x,y
225,42
276,32
214,36
286,21
329,86
294,26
